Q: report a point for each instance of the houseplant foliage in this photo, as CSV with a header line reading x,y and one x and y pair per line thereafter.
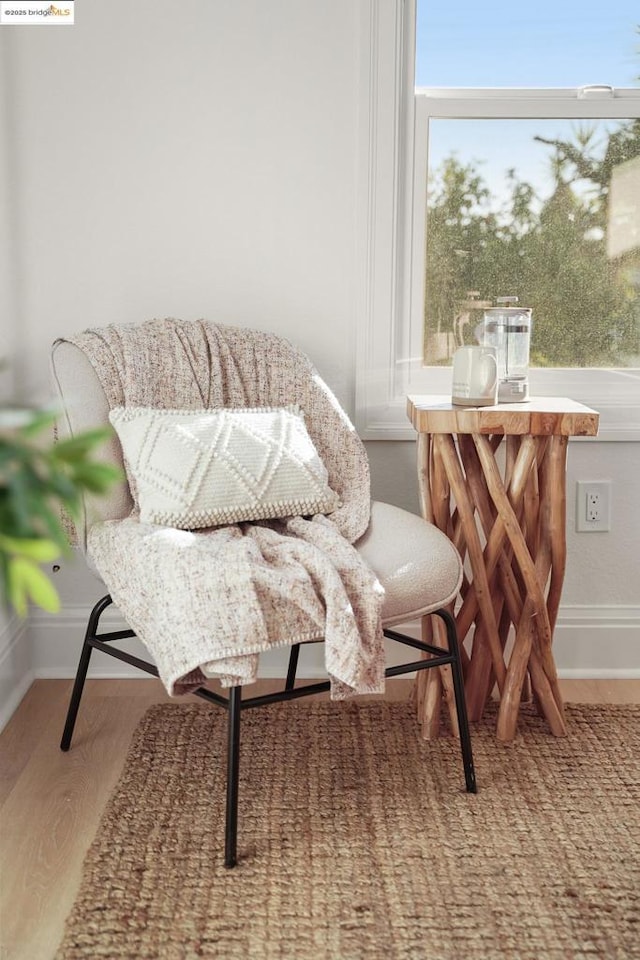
x,y
39,482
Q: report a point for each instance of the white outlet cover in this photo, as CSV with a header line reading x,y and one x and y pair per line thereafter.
x,y
601,490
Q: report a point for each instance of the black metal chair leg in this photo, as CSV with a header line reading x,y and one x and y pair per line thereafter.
x,y
293,666
234,703
233,772
81,674
461,704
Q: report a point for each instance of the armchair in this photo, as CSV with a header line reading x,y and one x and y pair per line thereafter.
x,y
416,565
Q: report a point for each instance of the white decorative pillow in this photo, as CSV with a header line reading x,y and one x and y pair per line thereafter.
x,y
203,468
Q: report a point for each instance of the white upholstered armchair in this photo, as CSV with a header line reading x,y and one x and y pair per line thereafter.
x,y
244,523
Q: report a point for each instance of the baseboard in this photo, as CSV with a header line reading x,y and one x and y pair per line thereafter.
x,y
590,642
598,642
55,643
16,675
632,673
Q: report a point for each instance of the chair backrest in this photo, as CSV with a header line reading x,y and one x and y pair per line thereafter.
x,y
250,368
84,406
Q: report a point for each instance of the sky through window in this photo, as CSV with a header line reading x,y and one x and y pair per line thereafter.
x,y
549,43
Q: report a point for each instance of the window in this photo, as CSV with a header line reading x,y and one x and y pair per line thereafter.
x,y
502,191
550,213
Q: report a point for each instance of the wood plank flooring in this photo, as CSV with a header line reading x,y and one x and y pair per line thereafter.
x,y
51,802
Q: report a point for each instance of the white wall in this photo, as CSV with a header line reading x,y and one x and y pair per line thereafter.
x,y
15,663
598,629
602,568
192,159
189,159
8,300
201,159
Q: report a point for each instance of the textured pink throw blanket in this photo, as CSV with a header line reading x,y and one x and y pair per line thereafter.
x,y
217,598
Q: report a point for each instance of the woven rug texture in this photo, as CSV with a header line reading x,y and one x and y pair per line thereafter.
x,y
358,841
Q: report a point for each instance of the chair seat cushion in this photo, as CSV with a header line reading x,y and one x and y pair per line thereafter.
x,y
417,565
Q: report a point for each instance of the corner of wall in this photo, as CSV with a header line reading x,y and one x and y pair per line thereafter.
x,y
16,675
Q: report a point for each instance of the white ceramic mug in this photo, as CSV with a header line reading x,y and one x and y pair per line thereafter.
x,y
475,376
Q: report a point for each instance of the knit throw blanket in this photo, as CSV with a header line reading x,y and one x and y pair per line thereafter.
x,y
215,599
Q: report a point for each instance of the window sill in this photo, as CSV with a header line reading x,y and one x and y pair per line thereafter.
x,y
387,419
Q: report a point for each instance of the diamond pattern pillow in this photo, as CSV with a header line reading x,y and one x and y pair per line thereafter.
x,y
203,468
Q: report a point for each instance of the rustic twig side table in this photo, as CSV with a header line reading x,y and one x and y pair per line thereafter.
x,y
506,515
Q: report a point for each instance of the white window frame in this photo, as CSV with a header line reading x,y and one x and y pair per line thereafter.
x,y
392,205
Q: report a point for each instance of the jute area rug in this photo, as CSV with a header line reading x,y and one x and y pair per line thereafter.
x,y
357,840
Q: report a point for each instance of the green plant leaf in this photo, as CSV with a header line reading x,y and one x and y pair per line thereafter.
x,y
40,481
41,419
19,507
42,551
61,485
26,580
96,477
76,448
52,523
16,589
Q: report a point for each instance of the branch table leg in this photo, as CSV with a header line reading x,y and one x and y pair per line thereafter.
x,y
505,511
445,448
426,508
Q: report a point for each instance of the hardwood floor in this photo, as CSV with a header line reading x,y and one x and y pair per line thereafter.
x,y
51,802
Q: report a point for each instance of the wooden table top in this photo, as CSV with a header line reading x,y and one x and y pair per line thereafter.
x,y
539,416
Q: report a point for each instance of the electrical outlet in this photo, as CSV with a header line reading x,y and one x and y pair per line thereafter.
x,y
593,506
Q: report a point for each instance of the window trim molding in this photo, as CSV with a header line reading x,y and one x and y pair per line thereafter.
x,y
390,239
383,212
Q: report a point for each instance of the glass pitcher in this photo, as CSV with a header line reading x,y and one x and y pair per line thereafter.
x,y
507,328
